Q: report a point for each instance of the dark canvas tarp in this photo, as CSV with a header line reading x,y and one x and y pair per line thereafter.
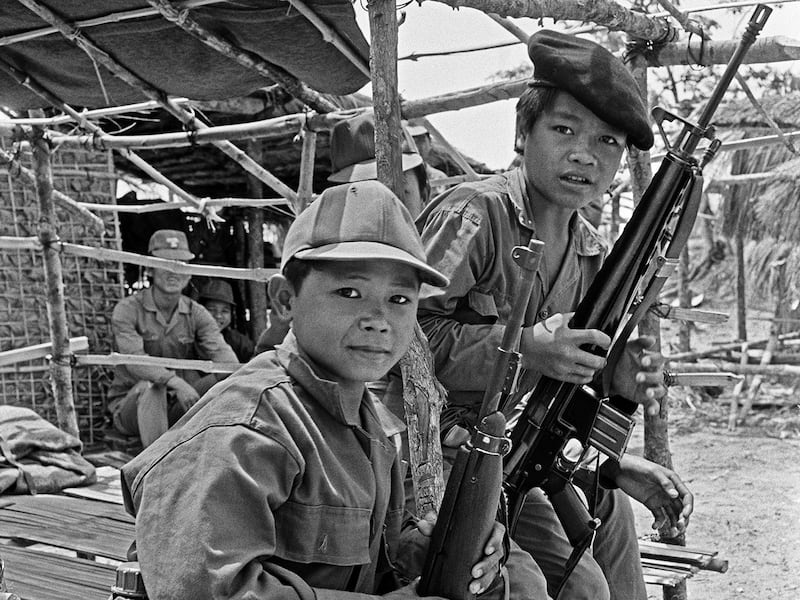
x,y
172,60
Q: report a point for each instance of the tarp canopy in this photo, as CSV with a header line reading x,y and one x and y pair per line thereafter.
x,y
171,59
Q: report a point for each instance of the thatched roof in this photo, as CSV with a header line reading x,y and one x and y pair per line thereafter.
x,y
784,109
170,59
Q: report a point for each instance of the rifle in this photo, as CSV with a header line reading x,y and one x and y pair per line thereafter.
x,y
642,258
470,503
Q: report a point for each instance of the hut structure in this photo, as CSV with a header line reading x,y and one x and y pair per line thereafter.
x,y
292,61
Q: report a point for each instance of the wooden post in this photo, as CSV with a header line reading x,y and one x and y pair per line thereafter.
x,y
305,188
383,64
60,367
255,246
656,434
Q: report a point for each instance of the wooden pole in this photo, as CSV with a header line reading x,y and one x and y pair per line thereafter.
x,y
685,300
60,367
255,246
383,65
305,188
656,430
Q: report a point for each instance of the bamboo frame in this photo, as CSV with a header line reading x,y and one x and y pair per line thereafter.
x,y
99,55
9,125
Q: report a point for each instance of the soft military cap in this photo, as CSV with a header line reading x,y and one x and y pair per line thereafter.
x,y
169,243
217,289
595,77
353,150
362,220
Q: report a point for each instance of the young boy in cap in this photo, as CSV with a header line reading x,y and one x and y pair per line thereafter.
x,y
280,482
576,118
216,296
161,321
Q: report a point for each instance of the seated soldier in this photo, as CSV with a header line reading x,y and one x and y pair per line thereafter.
x,y
161,321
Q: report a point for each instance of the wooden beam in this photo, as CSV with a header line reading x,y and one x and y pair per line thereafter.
x,y
607,13
60,368
37,351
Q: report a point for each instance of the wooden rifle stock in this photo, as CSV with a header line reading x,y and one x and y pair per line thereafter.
x,y
470,502
640,260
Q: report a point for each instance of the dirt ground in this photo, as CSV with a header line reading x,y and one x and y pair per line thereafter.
x,y
746,482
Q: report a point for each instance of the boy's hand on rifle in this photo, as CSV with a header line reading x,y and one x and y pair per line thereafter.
x,y
639,375
660,489
553,349
484,571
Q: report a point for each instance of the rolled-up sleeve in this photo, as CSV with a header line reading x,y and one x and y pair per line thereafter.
x,y
460,321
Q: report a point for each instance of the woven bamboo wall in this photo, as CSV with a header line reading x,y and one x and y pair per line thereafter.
x,y
91,287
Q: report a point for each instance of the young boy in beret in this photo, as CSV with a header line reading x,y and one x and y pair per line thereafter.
x,y
576,118
280,482
216,295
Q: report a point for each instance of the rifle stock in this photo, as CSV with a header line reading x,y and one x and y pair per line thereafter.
x,y
641,258
471,497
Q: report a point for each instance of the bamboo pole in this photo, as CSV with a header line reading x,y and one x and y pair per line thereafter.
x,y
257,290
38,351
27,177
60,368
99,55
305,189
740,369
690,356
113,359
250,60
140,209
8,124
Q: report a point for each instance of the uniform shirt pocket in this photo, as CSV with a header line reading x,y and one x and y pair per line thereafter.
x,y
483,304
334,535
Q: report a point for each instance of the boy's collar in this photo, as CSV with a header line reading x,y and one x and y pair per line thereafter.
x,y
328,393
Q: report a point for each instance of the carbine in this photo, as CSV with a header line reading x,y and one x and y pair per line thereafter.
x,y
470,502
627,284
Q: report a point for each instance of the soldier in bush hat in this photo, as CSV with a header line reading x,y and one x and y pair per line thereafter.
x,y
581,110
353,159
160,321
217,296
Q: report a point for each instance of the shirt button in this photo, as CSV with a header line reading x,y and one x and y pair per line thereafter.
x,y
544,313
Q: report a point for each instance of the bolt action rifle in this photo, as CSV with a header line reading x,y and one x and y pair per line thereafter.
x,y
470,502
627,284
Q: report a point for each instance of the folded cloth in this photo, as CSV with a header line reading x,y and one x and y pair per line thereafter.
x,y
36,456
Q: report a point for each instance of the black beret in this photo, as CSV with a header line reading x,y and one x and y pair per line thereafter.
x,y
595,77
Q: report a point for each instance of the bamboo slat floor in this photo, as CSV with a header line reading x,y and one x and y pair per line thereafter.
x,y
64,547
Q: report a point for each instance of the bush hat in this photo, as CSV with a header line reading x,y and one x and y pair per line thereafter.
x,y
358,221
217,289
353,150
595,77
169,243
